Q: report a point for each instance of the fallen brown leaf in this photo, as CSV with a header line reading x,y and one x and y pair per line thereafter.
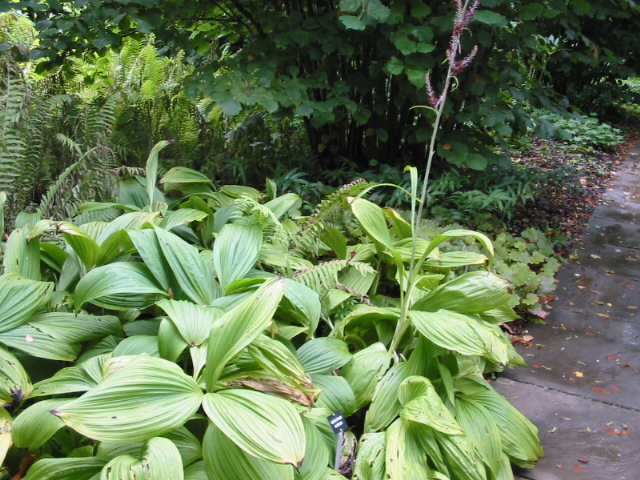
x,y
600,390
614,388
611,357
577,468
583,460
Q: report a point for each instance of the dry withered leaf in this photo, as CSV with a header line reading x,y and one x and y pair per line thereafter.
x,y
632,307
603,315
596,292
601,390
577,468
614,388
611,357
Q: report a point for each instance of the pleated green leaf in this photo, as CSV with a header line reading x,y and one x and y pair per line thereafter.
x,y
85,247
140,398
35,425
372,221
187,443
196,471
71,468
152,169
287,203
170,342
74,328
193,321
118,286
136,345
178,175
370,462
159,460
146,242
364,371
317,455
235,251
39,344
323,355
460,333
14,381
422,404
263,426
385,405
20,298
306,300
461,458
190,271
237,328
472,292
336,394
404,457
482,431
460,233
182,216
224,460
76,379
22,254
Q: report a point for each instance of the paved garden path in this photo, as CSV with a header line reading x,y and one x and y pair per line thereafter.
x,y
582,386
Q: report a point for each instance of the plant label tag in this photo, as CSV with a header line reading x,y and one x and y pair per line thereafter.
x,y
337,422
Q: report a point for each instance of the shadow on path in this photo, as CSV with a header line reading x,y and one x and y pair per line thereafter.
x,y
582,386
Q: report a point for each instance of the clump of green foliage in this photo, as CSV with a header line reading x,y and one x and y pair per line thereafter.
x,y
581,132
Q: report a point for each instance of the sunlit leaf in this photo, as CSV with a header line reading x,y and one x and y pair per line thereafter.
x,y
336,394
404,458
139,398
235,251
263,426
20,298
35,425
370,462
158,460
74,328
39,344
364,371
323,355
76,379
14,381
193,321
80,468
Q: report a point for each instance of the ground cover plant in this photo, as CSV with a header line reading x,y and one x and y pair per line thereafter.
x,y
205,332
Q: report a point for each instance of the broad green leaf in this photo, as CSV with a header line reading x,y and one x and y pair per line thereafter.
x,y
152,169
364,371
472,292
224,460
287,203
455,259
323,355
404,458
22,254
182,216
235,251
139,398
450,234
306,300
14,381
39,344
6,425
370,462
20,298
136,345
336,394
237,328
191,273
385,405
85,247
193,321
460,457
34,426
482,431
460,333
118,286
422,404
76,379
178,175
105,232
187,443
146,242
372,220
196,471
519,436
159,460
263,426
490,18
317,455
80,468
75,328
170,342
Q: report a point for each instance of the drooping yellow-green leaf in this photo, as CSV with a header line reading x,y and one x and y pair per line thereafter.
x,y
385,405
235,251
76,379
146,242
460,333
71,468
364,371
263,426
75,328
472,292
372,221
323,355
370,461
237,328
158,460
421,404
190,271
39,344
224,460
14,381
404,457
35,425
193,321
20,298
5,430
460,233
336,394
482,431
461,458
182,216
22,254
317,456
118,286
85,247
152,169
140,398
306,300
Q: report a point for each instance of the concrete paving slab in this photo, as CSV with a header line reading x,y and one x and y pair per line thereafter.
x,y
612,260
583,439
583,289
629,212
580,354
603,232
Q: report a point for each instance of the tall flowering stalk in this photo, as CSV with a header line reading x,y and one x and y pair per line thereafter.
x,y
465,12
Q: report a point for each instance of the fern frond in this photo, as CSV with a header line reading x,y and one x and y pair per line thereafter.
x,y
324,276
